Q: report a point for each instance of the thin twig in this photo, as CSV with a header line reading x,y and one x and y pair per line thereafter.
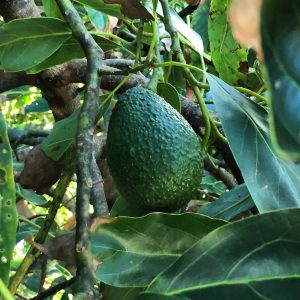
x,y
54,289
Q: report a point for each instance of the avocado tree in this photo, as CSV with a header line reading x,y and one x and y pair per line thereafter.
x,y
149,149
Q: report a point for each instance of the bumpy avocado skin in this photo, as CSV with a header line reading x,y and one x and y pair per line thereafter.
x,y
153,153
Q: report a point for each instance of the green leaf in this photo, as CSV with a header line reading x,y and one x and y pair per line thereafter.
x,y
99,19
71,49
109,9
30,195
177,79
62,137
192,36
121,207
25,43
117,293
24,231
18,166
255,258
200,22
8,212
58,144
154,296
230,204
272,182
211,185
134,250
52,10
228,56
280,40
170,94
40,105
200,25
273,289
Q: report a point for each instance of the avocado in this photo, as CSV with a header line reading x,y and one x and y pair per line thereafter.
x,y
153,153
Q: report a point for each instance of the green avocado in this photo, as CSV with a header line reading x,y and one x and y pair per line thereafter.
x,y
153,153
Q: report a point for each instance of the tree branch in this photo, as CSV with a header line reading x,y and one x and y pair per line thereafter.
x,y
10,81
85,279
16,9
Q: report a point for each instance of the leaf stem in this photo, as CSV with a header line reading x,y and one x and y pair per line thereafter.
x,y
139,43
154,35
5,292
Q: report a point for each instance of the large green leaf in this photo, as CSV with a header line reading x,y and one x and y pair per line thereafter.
x,y
256,258
228,56
272,182
71,49
25,43
8,212
273,289
281,45
230,204
134,250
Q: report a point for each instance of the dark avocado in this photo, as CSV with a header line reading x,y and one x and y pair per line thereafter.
x,y
153,153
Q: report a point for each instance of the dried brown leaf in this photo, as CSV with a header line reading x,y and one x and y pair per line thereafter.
x,y
34,175
110,24
97,222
